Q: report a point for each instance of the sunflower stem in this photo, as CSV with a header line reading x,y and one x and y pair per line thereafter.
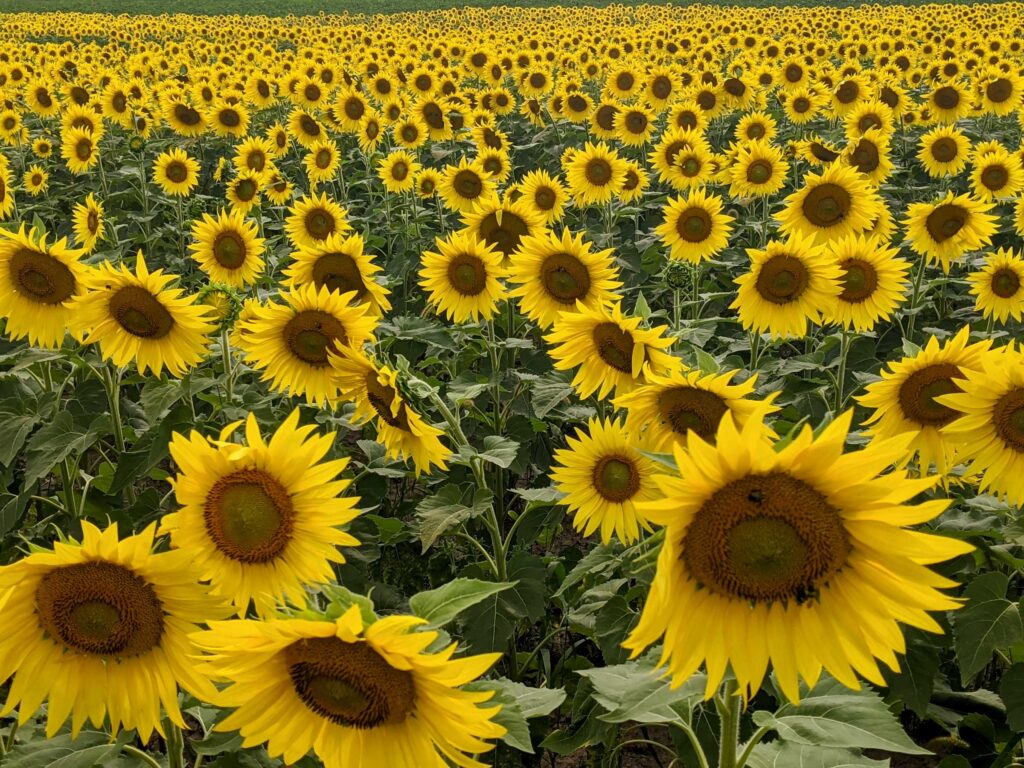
x,y
677,311
175,746
112,383
914,299
8,744
728,705
754,740
702,759
229,368
844,351
143,756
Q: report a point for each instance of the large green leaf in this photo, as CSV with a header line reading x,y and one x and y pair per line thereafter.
x,y
519,703
780,754
1011,691
986,623
445,510
636,692
441,605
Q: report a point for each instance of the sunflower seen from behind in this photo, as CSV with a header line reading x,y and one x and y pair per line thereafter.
x,y
695,229
603,475
360,693
228,248
99,632
137,316
998,287
800,556
341,265
873,280
261,521
463,277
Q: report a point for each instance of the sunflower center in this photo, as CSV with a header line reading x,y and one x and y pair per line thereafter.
x,y
1005,283
229,250
176,171
661,87
826,205
945,150
565,278
340,273
759,172
868,121
865,157
793,73
311,334
690,166
467,275
309,126
847,92
947,97
544,198
249,516
92,223
687,409
41,278
694,225
410,133
625,81
119,102
323,159
399,171
349,684
320,224
83,149
1008,418
382,399
605,116
686,119
616,478
945,221
801,104
576,103
999,90
636,122
917,394
506,235
246,190
782,279
860,279
371,130
468,184
995,177
598,171
765,538
99,608
140,313
614,346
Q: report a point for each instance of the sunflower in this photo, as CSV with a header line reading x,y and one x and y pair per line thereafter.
x,y
136,316
370,132
666,409
759,170
176,173
817,151
756,126
949,102
944,151
243,191
662,86
830,205
322,162
359,694
6,192
306,129
79,149
462,277
611,350
99,630
410,132
798,553
695,167
999,286
398,172
277,135
496,162
88,223
997,175
944,230
464,184
904,401
228,248
502,224
687,115
254,154
635,184
595,174
544,194
374,392
314,218
38,283
802,105
789,284
290,341
554,272
695,229
989,428
36,180
1001,92
184,119
603,475
340,264
873,279
869,154
261,522
634,125
42,148
869,115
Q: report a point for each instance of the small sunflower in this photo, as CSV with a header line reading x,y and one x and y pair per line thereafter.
x,y
949,102
80,150
830,205
176,173
997,175
873,280
290,341
398,172
260,522
322,162
462,277
463,185
545,194
36,180
243,192
789,284
358,694
88,223
595,174
944,230
999,286
869,155
314,218
610,349
340,264
228,248
695,229
944,151
905,400
759,170
135,316
552,273
427,182
603,475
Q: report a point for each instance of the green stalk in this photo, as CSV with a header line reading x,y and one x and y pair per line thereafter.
x,y
728,705
112,383
175,746
844,351
229,368
144,757
914,298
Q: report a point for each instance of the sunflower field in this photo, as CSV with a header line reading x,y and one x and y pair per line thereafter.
x,y
556,387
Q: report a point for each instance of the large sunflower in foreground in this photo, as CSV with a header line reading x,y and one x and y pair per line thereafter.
x,y
373,390
799,555
873,280
833,204
694,229
944,230
260,522
789,284
604,475
136,316
290,341
99,631
666,409
554,272
611,349
340,264
359,694
462,277
905,400
228,248
989,428
38,283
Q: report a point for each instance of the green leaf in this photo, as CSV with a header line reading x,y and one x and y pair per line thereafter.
x,y
916,680
637,692
548,393
519,703
445,510
441,605
498,450
217,742
1011,691
780,754
341,599
14,430
831,715
705,361
44,754
987,622
56,441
